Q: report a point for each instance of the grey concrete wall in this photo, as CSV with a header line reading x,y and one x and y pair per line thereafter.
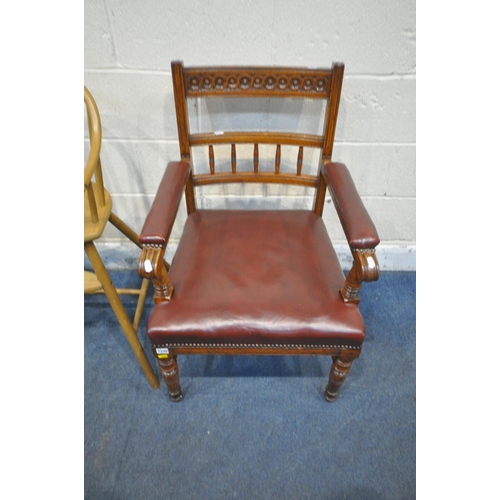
x,y
128,49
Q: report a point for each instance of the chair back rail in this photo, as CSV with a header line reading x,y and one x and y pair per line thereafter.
x,y
287,138
251,177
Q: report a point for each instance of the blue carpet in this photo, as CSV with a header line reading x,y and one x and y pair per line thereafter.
x,y
254,427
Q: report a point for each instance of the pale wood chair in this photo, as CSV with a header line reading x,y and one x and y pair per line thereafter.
x,y
257,281
97,213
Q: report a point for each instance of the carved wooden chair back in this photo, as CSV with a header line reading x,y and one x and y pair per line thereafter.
x,y
262,82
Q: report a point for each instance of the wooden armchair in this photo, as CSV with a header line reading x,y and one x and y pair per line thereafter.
x,y
97,204
256,281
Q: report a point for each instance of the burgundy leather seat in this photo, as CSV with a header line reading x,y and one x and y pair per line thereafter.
x,y
232,290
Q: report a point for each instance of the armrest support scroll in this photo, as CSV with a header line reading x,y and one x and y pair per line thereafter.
x,y
364,268
158,226
152,266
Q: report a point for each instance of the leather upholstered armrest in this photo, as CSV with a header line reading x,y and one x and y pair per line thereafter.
x,y
358,226
161,217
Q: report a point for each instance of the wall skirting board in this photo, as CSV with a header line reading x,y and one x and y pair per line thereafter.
x,y
391,257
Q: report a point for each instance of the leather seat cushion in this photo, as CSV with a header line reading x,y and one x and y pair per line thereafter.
x,y
255,278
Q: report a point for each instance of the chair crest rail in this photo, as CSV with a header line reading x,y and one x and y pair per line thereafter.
x,y
257,82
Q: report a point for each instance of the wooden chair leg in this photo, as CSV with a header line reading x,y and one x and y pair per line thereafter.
x,y
170,371
120,313
338,373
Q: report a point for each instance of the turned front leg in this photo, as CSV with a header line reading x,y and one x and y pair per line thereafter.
x,y
338,373
170,371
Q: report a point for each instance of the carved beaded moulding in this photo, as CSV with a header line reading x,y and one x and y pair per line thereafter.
x,y
264,81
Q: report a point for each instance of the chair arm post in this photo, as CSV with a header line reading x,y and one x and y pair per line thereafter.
x,y
152,266
364,268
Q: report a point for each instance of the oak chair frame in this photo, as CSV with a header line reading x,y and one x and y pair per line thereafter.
x,y
97,213
251,82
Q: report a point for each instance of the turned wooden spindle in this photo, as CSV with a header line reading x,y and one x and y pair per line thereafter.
x,y
278,159
233,158
211,159
300,158
256,158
